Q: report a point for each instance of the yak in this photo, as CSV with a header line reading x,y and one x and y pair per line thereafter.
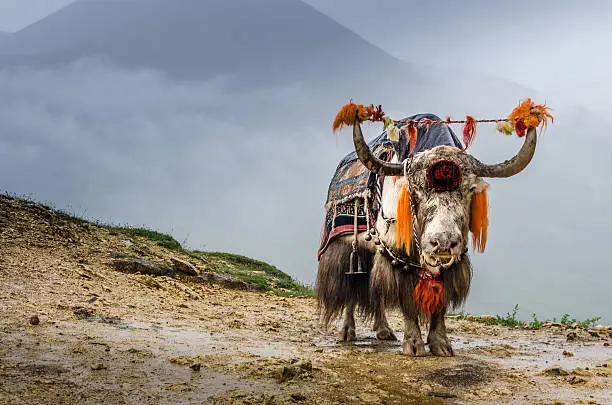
x,y
442,214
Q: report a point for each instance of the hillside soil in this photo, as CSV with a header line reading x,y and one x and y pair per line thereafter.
x,y
75,330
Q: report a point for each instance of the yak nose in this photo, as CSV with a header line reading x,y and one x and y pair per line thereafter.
x,y
445,242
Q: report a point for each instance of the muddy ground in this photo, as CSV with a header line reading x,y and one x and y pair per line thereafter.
x,y
73,330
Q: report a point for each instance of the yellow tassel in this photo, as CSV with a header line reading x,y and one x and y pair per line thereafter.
x,y
505,127
479,221
403,221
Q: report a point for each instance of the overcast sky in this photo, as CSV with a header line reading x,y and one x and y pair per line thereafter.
x,y
133,146
550,45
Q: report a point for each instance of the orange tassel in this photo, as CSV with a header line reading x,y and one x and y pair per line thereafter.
x,y
411,133
429,295
469,131
351,112
403,221
529,115
479,221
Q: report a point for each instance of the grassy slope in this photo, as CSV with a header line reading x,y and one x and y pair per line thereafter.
x,y
242,268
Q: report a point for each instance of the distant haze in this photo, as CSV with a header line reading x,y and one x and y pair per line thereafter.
x,y
211,120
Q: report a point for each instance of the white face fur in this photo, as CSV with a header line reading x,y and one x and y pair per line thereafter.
x,y
442,217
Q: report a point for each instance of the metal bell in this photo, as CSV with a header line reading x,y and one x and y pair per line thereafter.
x,y
376,241
382,250
394,263
368,237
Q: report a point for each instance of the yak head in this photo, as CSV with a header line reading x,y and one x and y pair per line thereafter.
x,y
446,198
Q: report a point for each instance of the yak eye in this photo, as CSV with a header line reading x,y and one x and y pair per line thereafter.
x,y
444,175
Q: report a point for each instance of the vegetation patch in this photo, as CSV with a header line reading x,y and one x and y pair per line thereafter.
x,y
255,272
158,238
511,320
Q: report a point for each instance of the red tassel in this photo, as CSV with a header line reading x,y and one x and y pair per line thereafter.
x,y
469,131
411,132
429,295
378,114
520,128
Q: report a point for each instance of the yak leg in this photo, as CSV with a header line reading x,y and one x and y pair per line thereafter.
x,y
438,341
347,332
381,325
413,342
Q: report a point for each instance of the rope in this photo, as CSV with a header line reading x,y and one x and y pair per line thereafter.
x,y
447,121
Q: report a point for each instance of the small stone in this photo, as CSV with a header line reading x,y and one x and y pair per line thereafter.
x,y
298,397
576,380
606,344
568,354
304,365
556,371
184,266
581,372
34,320
571,336
98,366
195,366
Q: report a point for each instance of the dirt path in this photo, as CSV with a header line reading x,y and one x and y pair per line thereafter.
x,y
75,331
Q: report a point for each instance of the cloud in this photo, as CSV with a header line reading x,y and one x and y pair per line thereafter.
x,y
248,173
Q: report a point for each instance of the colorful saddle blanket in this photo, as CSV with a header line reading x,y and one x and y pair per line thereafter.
x,y
352,181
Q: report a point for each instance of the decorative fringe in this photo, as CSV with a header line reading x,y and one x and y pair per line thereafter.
x,y
403,221
469,131
529,115
479,221
429,295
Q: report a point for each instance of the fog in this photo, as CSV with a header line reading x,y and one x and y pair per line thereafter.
x,y
247,171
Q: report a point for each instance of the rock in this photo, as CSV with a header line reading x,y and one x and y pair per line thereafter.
x,y
593,333
581,372
98,366
195,366
298,397
133,265
576,380
606,344
305,365
441,394
288,373
568,354
571,336
34,320
555,371
184,266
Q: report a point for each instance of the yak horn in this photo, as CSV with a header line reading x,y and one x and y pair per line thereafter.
x,y
370,161
509,167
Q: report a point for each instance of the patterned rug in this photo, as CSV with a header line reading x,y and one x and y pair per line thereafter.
x,y
352,181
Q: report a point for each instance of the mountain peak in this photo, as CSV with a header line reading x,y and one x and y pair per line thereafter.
x,y
200,39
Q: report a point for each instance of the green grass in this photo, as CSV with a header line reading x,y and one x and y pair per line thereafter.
x,y
255,272
511,320
158,238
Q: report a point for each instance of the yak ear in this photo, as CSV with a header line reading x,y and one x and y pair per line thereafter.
x,y
479,215
479,186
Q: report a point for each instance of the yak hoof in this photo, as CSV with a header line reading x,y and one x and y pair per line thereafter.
x,y
413,347
441,348
348,334
385,333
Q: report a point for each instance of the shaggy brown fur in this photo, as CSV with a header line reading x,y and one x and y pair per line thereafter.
x,y
335,290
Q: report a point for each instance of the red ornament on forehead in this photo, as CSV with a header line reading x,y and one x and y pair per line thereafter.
x,y
444,175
